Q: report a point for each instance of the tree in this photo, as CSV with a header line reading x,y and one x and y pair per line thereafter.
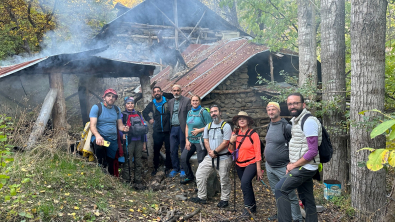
x,y
128,3
368,29
334,85
307,43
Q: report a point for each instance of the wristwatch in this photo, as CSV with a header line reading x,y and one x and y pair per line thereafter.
x,y
232,143
215,152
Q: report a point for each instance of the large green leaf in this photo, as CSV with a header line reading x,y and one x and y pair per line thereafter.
x,y
391,158
380,129
367,148
2,176
375,160
392,134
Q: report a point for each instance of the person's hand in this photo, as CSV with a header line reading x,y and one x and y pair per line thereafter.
x,y
290,167
211,154
195,131
188,145
99,140
126,128
259,174
233,138
151,121
144,147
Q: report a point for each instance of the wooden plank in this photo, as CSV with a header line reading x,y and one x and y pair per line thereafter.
x,y
42,119
271,67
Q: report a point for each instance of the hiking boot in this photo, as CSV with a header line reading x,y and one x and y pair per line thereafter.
x,y
222,204
182,174
197,200
173,173
246,208
154,172
186,180
274,217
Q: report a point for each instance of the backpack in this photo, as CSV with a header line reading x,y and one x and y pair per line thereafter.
x,y
101,109
286,136
325,149
222,127
248,134
200,114
137,126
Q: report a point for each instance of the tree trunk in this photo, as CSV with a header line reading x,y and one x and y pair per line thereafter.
x,y
368,28
59,109
42,119
307,43
334,85
147,98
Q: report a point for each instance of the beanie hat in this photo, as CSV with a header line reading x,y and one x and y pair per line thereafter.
x,y
274,104
128,99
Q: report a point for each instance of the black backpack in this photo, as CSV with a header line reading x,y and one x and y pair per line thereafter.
x,y
138,128
101,109
325,149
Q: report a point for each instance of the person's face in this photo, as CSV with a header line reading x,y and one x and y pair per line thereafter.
x,y
176,92
295,106
195,102
215,114
109,99
157,93
273,112
129,106
242,121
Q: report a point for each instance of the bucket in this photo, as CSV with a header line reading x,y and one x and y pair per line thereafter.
x,y
332,188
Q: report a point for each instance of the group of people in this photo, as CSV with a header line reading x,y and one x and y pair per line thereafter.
x,y
182,124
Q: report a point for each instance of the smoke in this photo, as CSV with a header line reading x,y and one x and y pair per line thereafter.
x,y
76,23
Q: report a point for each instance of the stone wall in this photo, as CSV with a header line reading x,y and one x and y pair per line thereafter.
x,y
233,102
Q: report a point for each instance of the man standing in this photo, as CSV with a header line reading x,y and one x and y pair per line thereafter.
x,y
216,139
104,119
277,155
179,107
304,161
161,126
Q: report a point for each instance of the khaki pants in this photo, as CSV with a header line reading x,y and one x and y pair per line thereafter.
x,y
204,170
135,149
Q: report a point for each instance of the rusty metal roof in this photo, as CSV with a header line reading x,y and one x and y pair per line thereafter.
x,y
210,65
8,70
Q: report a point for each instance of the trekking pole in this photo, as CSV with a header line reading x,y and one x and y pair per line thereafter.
x,y
264,182
234,187
128,156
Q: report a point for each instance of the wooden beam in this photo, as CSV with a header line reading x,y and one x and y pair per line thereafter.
x,y
42,119
194,28
232,91
84,99
175,23
59,110
271,67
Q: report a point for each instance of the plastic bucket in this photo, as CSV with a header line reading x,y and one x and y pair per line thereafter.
x,y
332,188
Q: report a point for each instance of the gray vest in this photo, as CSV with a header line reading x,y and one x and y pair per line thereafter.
x,y
298,144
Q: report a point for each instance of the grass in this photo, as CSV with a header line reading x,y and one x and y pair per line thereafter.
x,y
57,186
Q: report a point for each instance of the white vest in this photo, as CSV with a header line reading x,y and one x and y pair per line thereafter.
x,y
298,144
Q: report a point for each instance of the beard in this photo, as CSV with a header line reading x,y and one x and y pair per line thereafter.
x,y
274,116
215,119
296,112
158,96
176,97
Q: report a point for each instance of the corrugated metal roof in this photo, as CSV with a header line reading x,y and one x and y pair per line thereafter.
x,y
212,64
8,70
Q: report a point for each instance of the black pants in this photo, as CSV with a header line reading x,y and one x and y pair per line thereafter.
x,y
102,158
300,179
246,174
186,155
159,138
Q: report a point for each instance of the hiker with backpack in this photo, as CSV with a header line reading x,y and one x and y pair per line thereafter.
x,y
304,161
197,119
105,121
159,108
179,107
216,139
245,147
136,142
277,156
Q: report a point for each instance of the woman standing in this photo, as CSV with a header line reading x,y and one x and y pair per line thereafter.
x,y
197,119
137,141
245,147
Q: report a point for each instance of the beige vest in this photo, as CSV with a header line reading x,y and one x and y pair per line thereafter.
x,y
298,144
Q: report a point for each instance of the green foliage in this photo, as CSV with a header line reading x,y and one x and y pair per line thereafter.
x,y
344,203
5,153
379,158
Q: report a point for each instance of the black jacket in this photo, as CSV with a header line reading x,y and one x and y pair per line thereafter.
x,y
162,121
